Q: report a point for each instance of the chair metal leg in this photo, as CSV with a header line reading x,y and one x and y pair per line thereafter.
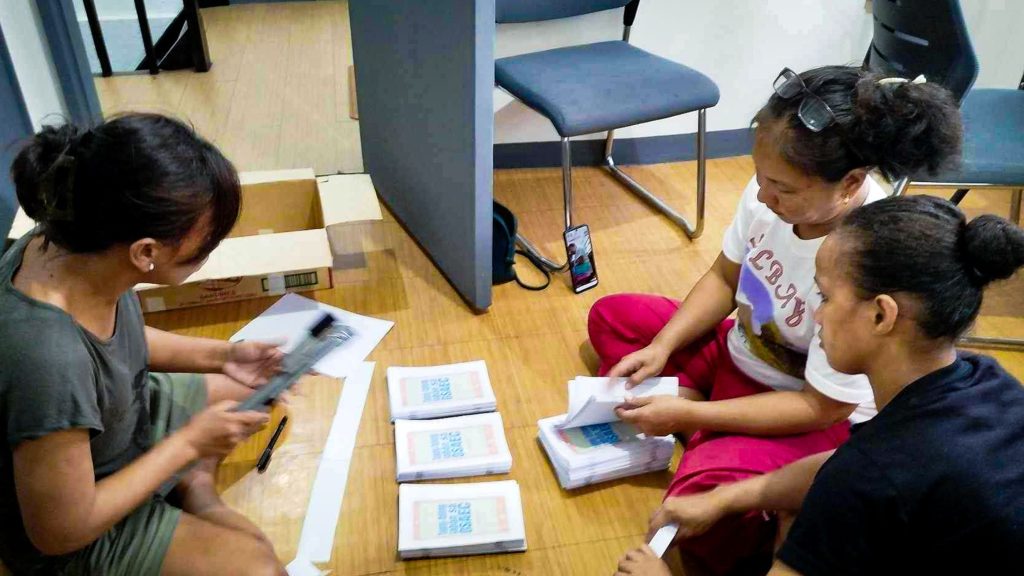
x,y
1015,206
692,231
900,187
958,196
1012,344
525,244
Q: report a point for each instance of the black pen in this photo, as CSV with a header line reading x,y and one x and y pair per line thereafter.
x,y
264,462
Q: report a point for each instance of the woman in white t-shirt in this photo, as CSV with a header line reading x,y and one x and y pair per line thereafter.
x,y
757,393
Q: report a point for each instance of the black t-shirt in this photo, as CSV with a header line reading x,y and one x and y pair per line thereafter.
x,y
932,485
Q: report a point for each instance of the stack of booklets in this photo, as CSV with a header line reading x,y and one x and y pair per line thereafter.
x,y
590,444
460,519
439,391
451,447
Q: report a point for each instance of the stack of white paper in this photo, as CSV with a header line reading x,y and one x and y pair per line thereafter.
x,y
593,400
590,445
451,447
600,452
459,519
439,391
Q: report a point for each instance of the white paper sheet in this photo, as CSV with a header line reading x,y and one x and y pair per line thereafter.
x,y
662,539
317,539
290,317
303,567
593,400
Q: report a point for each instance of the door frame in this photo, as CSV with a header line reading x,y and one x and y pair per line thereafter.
x,y
67,49
13,115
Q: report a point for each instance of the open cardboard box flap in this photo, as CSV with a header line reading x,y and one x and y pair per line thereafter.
x,y
266,254
281,229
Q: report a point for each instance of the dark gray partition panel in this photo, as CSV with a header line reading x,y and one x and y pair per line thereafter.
x,y
425,80
14,126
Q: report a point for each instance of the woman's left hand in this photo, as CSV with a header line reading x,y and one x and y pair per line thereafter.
x,y
253,363
654,415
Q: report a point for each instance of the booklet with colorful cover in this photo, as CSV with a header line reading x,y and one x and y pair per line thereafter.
x,y
460,519
439,391
455,447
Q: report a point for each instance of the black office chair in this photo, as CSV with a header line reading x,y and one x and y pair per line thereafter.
x,y
922,37
929,37
600,87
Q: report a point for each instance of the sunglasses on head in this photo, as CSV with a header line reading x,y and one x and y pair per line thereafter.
x,y
813,111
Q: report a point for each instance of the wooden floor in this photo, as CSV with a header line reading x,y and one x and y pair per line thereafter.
x,y
277,95
532,342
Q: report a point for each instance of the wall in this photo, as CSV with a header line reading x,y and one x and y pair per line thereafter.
x,y
425,72
121,9
995,31
121,34
32,61
14,126
742,45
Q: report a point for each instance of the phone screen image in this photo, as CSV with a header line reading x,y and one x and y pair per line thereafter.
x,y
580,251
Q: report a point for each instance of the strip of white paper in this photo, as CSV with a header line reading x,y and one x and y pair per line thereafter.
x,y
661,540
317,539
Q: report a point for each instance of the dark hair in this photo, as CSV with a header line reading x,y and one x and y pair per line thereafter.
x,y
900,128
924,246
134,176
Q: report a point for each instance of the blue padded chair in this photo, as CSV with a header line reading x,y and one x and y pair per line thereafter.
x,y
930,37
993,158
600,87
993,145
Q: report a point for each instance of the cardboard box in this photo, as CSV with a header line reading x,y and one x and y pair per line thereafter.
x,y
278,245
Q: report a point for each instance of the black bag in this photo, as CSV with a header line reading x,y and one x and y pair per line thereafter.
x,y
504,252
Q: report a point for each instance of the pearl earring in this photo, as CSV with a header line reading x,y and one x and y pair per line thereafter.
x,y
152,266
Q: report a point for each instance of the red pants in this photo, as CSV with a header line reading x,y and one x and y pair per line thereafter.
x,y
624,323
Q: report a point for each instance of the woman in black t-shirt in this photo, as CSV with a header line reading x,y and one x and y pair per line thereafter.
x,y
935,483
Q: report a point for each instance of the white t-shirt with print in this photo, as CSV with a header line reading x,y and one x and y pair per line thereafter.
x,y
776,340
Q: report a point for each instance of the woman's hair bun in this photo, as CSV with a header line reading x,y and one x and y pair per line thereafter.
x,y
994,247
44,170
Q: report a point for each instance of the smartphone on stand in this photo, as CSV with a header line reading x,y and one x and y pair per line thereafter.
x,y
580,251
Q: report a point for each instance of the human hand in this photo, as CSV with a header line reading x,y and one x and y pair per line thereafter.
x,y
695,514
218,429
640,365
654,415
253,363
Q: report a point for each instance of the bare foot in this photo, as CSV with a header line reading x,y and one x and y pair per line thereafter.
x,y
642,562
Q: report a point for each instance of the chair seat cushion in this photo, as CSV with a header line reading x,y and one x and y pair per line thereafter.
x,y
993,140
598,87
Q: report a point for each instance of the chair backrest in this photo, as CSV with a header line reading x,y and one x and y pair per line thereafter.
x,y
509,11
929,37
